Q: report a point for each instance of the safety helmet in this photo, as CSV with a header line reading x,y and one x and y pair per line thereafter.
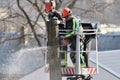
x,y
66,12
48,6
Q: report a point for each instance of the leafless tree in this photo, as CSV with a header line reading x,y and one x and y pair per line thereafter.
x,y
31,12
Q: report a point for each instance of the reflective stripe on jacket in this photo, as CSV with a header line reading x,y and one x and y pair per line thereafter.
x,y
74,25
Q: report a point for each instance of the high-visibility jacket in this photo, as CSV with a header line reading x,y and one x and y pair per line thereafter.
x,y
72,24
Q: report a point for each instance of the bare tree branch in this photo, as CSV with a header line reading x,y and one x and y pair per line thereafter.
x,y
38,9
72,4
58,4
15,38
29,22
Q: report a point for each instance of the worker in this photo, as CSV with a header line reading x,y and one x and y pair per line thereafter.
x,y
52,13
73,24
56,16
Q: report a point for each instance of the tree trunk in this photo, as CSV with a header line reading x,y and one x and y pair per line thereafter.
x,y
24,32
54,58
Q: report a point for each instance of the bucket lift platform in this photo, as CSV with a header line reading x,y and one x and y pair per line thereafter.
x,y
74,73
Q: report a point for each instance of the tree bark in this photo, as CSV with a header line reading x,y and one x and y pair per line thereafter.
x,y
54,58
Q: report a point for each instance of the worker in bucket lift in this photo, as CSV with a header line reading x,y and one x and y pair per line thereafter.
x,y
52,13
72,24
56,16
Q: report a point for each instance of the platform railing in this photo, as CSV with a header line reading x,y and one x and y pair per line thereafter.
x,y
78,69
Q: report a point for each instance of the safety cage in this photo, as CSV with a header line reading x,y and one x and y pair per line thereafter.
x,y
90,30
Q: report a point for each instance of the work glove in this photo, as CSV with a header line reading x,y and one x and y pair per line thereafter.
x,y
56,21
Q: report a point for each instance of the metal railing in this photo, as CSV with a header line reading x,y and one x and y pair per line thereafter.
x,y
84,32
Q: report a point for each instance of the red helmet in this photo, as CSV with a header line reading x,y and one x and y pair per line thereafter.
x,y
66,12
48,6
